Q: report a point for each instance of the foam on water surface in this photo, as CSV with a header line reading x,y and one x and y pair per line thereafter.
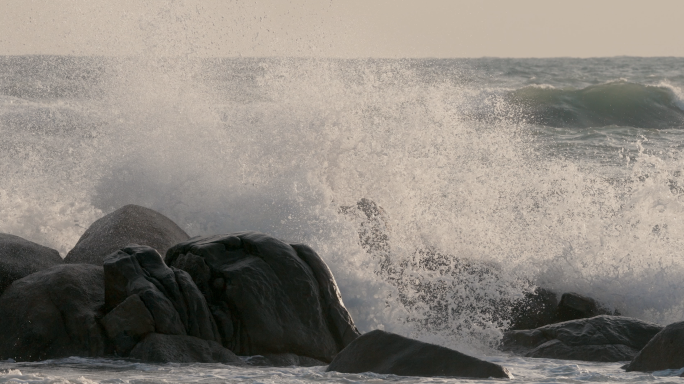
x,y
79,370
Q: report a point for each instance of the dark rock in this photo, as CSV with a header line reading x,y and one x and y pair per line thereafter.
x,y
267,297
20,258
123,277
387,353
601,338
175,303
131,224
537,309
338,319
663,351
283,360
575,306
158,348
52,314
127,324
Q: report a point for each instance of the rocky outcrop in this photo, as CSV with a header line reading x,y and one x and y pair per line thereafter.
x,y
266,296
542,307
53,314
173,302
158,348
20,258
663,351
387,353
575,306
131,224
535,310
601,338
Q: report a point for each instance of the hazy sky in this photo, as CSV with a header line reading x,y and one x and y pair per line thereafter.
x,y
349,28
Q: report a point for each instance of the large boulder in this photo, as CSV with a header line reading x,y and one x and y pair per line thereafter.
x,y
387,353
158,348
20,258
267,297
131,224
53,314
601,338
663,351
174,303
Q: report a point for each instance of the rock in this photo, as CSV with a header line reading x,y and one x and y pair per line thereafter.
x,y
601,338
537,309
158,348
20,258
175,303
338,319
131,224
663,351
387,353
52,314
283,360
575,306
267,297
127,324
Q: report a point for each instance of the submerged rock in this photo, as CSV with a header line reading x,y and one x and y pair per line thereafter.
x,y
387,353
601,338
131,224
158,348
174,302
283,360
266,296
52,314
663,351
20,258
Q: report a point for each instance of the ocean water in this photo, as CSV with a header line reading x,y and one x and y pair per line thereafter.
x,y
494,176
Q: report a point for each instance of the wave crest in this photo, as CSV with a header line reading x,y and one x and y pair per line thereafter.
x,y
619,103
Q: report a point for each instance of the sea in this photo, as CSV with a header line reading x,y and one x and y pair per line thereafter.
x,y
490,177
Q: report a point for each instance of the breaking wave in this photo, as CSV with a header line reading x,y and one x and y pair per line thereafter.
x,y
469,214
617,103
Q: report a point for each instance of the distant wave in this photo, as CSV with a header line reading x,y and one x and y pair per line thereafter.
x,y
618,103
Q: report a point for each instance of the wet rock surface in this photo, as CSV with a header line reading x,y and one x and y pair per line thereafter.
x,y
541,307
663,351
537,309
387,353
601,338
53,314
267,297
575,306
131,224
20,258
174,302
158,348
127,324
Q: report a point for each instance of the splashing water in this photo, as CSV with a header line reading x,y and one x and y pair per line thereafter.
x,y
476,211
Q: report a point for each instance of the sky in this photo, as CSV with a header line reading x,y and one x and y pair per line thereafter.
x,y
347,29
